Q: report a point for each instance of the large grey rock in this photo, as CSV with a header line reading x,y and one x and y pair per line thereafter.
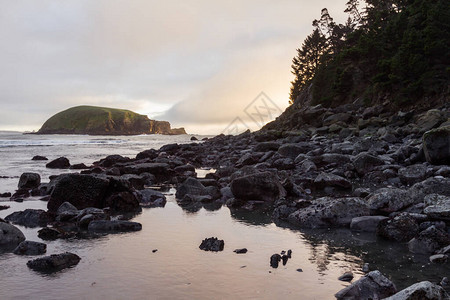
x,y
54,262
293,150
10,235
152,198
30,248
373,285
191,186
29,181
424,290
365,163
113,226
329,212
436,146
327,179
401,228
366,223
412,174
389,200
66,212
431,119
59,163
29,218
429,241
260,186
438,207
433,185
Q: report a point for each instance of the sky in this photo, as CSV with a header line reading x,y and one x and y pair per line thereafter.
x,y
207,66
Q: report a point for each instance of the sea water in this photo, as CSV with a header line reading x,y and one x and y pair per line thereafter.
x,y
125,266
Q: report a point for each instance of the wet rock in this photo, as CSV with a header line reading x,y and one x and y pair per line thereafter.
x,y
59,163
10,235
347,276
439,258
152,198
113,226
79,167
436,146
161,171
373,285
327,179
30,248
424,290
191,186
438,207
366,268
29,181
38,157
66,212
389,200
212,244
111,160
3,207
293,150
365,163
429,241
147,154
125,201
5,195
54,262
240,251
433,185
401,228
49,234
260,186
412,174
329,212
431,119
29,218
275,260
266,147
366,223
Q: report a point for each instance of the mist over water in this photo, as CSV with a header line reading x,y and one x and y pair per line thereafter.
x,y
123,266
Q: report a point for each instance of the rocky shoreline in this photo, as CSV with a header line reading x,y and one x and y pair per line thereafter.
x,y
366,169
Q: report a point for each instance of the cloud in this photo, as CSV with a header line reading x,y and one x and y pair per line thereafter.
x,y
200,61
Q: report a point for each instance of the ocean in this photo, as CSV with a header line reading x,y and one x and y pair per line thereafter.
x,y
124,266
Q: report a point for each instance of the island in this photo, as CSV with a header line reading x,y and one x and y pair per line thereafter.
x,y
94,120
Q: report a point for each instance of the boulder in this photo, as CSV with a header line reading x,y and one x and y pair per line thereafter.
x,y
30,248
293,150
275,260
54,262
412,174
152,198
161,171
401,228
329,212
212,244
432,185
424,290
66,212
436,146
438,207
259,186
10,235
123,201
191,186
347,276
49,234
59,163
266,147
429,241
373,285
29,181
365,163
39,157
79,167
113,226
389,200
29,218
366,223
240,251
431,119
327,179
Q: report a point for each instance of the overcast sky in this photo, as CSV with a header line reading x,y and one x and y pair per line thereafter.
x,y
196,63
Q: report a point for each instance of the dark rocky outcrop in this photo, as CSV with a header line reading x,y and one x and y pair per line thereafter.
x,y
54,262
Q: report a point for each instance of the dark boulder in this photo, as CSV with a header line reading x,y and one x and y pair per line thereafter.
x,y
66,212
429,241
424,290
114,226
79,167
240,251
152,198
331,180
259,186
438,207
49,234
111,160
54,262
293,150
366,223
412,174
373,285
275,260
347,276
212,244
59,163
389,200
266,147
191,186
436,146
29,218
29,181
365,163
30,248
10,235
38,157
401,228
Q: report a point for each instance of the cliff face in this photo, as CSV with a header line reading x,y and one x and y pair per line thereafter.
x,y
104,121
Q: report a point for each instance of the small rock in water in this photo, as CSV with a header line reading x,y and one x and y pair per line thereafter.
x,y
212,244
48,233
38,157
285,259
289,253
444,281
5,195
299,270
54,262
347,276
366,268
2,207
274,260
240,251
154,250
30,248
